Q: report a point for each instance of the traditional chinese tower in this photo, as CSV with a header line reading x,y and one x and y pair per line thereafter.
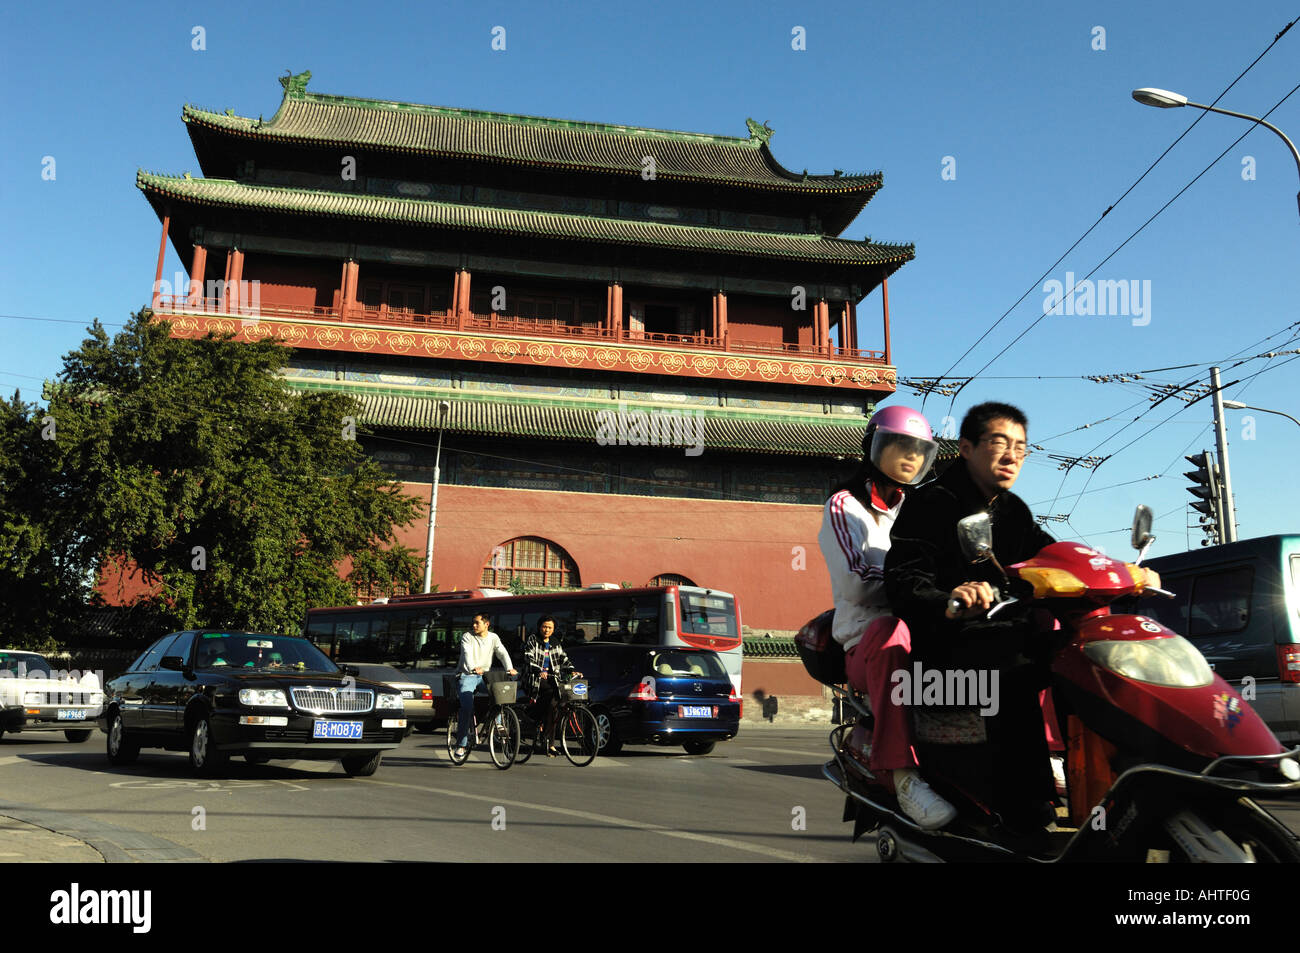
x,y
503,280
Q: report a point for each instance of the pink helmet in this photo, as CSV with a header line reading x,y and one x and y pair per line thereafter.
x,y
895,425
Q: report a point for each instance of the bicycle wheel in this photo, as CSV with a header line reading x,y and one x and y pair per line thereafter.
x,y
503,736
580,736
527,739
452,734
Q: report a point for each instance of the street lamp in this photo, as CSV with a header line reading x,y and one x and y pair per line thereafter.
x,y
443,407
1164,99
1238,405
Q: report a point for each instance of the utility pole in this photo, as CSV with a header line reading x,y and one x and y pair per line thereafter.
x,y
1228,528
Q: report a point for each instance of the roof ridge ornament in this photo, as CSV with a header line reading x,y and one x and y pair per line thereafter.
x,y
293,85
759,133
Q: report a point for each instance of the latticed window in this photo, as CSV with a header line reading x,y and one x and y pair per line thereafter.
x,y
537,563
670,579
371,590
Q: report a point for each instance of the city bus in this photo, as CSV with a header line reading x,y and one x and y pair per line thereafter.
x,y
421,632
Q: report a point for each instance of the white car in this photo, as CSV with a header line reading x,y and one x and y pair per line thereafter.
x,y
34,697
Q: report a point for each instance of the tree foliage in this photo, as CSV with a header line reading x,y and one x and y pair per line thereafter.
x,y
44,557
234,495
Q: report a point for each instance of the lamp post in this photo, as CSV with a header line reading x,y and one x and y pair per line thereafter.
x,y
443,407
1238,405
1164,99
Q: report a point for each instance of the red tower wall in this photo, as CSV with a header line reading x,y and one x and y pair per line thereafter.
x,y
294,283
764,553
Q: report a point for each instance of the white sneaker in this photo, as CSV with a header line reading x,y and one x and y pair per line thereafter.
x,y
460,752
919,801
1058,774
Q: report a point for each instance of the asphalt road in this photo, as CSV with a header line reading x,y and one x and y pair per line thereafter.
x,y
758,798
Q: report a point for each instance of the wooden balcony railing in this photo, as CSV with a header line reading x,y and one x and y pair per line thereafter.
x,y
511,324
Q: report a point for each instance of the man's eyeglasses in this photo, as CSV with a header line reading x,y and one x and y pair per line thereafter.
x,y
1001,444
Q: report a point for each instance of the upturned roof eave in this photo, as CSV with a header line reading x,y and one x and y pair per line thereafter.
x,y
863,184
158,187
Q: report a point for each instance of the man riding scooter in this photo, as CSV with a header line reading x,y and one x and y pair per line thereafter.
x,y
926,573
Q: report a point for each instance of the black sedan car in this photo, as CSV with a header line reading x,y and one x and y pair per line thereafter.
x,y
218,693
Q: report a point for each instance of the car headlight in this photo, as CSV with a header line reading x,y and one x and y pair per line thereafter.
x,y
1170,661
393,702
263,698
34,698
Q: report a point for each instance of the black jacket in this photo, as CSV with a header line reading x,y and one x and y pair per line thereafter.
x,y
925,563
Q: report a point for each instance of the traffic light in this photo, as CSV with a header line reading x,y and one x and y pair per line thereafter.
x,y
1205,487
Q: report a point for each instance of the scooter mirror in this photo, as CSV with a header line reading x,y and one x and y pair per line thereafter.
x,y
976,536
1142,537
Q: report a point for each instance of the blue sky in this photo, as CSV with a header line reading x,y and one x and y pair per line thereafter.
x,y
1037,125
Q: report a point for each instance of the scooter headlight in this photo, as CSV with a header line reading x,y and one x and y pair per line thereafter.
x,y
1171,661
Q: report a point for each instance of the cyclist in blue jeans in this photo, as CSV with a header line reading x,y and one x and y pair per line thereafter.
x,y
476,651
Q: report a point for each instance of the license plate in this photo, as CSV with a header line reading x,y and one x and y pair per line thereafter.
x,y
344,730
694,711
72,714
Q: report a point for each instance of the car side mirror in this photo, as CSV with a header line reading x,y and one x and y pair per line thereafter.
x,y
173,663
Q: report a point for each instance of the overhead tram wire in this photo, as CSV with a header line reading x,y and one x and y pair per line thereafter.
x,y
1108,210
1132,236
1243,380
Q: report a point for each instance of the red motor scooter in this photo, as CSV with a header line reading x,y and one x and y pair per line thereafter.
x,y
1164,758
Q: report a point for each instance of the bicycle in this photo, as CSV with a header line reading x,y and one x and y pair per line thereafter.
x,y
579,733
499,729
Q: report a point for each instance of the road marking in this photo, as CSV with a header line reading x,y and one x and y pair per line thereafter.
x,y
742,761
818,755
608,819
11,759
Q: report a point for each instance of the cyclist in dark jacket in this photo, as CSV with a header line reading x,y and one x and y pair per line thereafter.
x,y
547,662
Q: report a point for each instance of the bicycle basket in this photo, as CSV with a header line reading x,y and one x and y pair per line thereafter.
x,y
576,690
504,693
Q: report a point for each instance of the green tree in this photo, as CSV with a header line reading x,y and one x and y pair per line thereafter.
x,y
45,560
235,496
388,570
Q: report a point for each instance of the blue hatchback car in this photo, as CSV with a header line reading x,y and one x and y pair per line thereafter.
x,y
658,695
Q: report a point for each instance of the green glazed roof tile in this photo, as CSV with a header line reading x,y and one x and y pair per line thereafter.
x,y
309,117
420,212
492,418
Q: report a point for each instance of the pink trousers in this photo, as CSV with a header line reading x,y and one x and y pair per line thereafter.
x,y
885,648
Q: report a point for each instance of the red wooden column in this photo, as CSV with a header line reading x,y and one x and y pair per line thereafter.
x,y
198,268
884,295
720,305
162,251
234,279
348,289
461,298
851,316
614,310
822,317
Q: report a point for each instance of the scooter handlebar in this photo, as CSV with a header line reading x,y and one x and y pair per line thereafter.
x,y
956,607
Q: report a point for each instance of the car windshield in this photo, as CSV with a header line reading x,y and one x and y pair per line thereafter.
x,y
265,653
22,664
688,664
